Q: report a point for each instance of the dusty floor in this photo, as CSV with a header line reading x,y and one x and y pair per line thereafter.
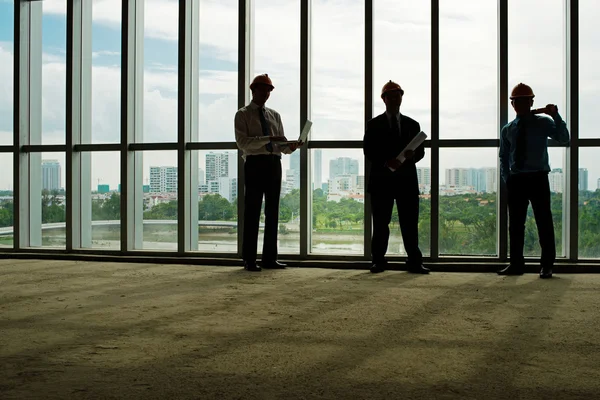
x,y
84,330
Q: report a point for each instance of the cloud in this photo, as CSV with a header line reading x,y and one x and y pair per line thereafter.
x,y
105,53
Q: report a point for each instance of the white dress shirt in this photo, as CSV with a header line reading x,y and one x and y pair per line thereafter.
x,y
248,131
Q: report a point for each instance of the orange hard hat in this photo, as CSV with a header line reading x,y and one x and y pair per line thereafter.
x,y
262,79
522,90
389,87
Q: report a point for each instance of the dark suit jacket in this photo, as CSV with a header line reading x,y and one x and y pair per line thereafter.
x,y
381,144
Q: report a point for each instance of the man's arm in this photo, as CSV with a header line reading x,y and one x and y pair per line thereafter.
x,y
420,151
280,132
557,129
504,155
242,139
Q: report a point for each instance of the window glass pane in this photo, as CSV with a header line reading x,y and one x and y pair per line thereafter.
x,y
53,200
589,203
217,201
6,201
7,17
106,71
406,62
160,200
536,48
160,70
468,69
338,202
338,70
589,74
106,200
218,69
468,201
54,59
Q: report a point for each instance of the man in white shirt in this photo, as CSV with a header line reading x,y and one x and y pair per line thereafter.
x,y
259,134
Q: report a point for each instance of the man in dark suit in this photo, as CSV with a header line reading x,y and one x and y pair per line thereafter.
x,y
386,136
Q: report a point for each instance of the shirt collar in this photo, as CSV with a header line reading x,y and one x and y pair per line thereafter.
x,y
389,116
255,106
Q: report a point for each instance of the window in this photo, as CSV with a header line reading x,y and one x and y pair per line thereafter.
x,y
589,204
406,62
338,200
106,72
54,68
160,70
589,76
105,201
338,70
6,71
468,69
468,201
218,69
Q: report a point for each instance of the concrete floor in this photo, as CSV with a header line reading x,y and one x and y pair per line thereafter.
x,y
86,330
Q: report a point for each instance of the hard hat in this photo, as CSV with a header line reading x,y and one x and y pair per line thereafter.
x,y
522,90
389,87
264,79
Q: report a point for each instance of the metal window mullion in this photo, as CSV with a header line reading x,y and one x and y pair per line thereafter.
x,y
132,75
368,87
245,22
30,125
78,124
570,244
435,130
305,114
502,210
187,171
21,108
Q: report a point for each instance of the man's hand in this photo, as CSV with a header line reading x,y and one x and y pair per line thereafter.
x,y
295,145
409,154
393,163
552,110
277,138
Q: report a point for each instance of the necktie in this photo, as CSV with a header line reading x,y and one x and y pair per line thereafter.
x,y
264,124
521,145
395,127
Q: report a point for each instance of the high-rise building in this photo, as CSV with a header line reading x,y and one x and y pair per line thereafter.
x,y
583,179
318,171
342,166
103,189
51,175
482,180
293,174
220,165
556,180
424,175
163,179
598,184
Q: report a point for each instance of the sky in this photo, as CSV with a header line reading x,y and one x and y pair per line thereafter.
x,y
468,72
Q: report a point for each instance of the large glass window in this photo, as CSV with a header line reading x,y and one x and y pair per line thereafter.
x,y
589,75
160,70
536,50
402,53
6,200
106,200
106,71
217,201
54,200
589,203
218,69
338,70
54,68
160,206
338,202
468,69
6,71
468,201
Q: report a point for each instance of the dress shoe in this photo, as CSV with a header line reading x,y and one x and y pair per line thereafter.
x,y
377,267
273,265
512,269
546,272
251,266
418,269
